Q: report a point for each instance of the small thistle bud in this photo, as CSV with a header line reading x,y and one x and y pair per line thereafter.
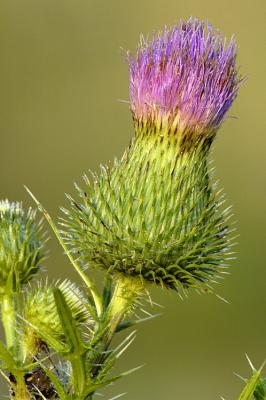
x,y
21,244
42,318
154,214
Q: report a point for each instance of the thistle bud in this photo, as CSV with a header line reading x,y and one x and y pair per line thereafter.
x,y
42,321
154,214
21,244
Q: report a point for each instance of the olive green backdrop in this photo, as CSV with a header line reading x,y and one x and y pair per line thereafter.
x,y
62,73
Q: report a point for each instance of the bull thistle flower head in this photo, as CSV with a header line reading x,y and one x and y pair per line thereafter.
x,y
21,245
184,80
154,214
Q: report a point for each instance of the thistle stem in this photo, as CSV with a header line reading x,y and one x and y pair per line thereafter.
x,y
126,291
21,391
79,374
9,319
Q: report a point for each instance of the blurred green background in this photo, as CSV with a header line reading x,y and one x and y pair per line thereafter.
x,y
62,75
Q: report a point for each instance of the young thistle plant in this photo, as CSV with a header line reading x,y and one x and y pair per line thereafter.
x,y
153,217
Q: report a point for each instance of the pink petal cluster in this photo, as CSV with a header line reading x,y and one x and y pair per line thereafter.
x,y
185,77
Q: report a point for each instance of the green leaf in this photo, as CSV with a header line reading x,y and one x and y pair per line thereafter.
x,y
72,334
70,329
251,384
250,387
113,355
106,382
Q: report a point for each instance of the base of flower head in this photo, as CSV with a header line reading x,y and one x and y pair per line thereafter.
x,y
153,215
181,139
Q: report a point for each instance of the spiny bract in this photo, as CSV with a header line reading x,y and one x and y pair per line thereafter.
x,y
154,214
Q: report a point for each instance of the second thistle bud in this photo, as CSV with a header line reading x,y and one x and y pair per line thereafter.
x,y
42,320
21,245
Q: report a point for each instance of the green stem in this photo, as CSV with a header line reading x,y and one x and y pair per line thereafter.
x,y
21,391
79,374
126,291
9,320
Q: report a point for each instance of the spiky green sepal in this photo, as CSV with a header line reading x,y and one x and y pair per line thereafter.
x,y
21,245
153,215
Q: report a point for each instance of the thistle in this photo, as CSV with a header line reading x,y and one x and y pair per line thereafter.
x,y
154,215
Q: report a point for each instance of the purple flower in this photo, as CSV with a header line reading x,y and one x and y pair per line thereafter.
x,y
184,79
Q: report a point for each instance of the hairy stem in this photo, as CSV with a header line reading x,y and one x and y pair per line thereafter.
x,y
79,374
9,319
126,291
21,391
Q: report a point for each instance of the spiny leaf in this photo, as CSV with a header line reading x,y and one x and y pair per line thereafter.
x,y
106,382
112,355
252,383
69,327
250,387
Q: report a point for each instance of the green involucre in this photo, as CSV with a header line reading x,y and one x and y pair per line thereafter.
x,y
152,215
21,244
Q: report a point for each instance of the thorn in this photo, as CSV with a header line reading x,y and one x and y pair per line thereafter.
x,y
240,377
132,370
250,363
118,396
123,101
40,207
222,298
125,347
